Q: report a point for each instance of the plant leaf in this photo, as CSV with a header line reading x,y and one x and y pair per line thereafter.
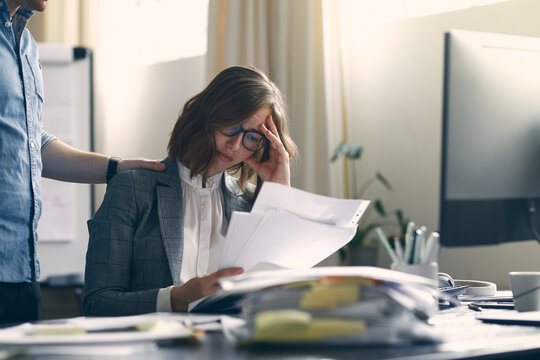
x,y
399,216
340,150
379,207
355,151
370,227
383,180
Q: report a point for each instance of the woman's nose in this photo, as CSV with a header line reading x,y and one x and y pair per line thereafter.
x,y
235,142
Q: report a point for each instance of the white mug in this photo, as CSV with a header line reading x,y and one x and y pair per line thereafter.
x,y
526,290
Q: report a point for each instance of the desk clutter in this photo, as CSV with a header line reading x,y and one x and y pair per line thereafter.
x,y
324,305
419,253
360,308
331,306
418,247
453,291
99,330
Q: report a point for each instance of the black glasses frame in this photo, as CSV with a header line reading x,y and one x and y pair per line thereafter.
x,y
240,129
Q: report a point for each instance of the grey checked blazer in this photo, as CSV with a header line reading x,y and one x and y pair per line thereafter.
x,y
137,239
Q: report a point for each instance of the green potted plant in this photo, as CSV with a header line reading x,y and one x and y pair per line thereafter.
x,y
362,249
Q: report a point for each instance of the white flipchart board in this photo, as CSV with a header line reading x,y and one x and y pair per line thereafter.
x,y
67,114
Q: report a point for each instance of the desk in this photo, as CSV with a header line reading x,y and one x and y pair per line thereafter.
x,y
466,338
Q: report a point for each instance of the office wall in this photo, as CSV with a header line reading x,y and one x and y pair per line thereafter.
x,y
146,66
136,120
396,83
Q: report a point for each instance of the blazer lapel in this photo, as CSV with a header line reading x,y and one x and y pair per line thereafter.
x,y
233,197
171,220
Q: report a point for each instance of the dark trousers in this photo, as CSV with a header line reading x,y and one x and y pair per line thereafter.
x,y
20,302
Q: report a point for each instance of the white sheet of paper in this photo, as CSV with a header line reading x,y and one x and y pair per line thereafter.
x,y
334,211
241,228
100,330
289,228
292,242
255,280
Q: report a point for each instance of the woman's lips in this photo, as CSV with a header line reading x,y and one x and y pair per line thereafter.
x,y
224,157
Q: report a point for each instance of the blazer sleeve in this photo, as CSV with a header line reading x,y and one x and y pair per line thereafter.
x,y
109,255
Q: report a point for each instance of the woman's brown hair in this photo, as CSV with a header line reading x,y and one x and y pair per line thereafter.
x,y
234,95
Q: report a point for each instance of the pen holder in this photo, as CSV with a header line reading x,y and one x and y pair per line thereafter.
x,y
429,270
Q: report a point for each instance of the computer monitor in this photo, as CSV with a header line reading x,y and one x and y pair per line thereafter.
x,y
490,178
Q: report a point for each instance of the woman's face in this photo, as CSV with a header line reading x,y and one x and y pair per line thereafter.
x,y
229,149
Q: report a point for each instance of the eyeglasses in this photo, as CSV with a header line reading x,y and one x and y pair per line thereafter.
x,y
251,139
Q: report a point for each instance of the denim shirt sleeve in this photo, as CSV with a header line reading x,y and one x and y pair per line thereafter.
x,y
46,138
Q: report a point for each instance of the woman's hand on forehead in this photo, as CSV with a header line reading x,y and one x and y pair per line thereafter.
x,y
276,168
255,121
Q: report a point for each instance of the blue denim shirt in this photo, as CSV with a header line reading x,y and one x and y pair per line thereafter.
x,y
21,142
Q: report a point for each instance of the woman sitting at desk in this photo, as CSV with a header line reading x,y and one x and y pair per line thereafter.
x,y
157,234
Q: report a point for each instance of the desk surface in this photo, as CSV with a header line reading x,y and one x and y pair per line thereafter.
x,y
465,338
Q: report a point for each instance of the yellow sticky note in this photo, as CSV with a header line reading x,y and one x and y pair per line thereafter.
x,y
57,329
280,325
299,326
329,297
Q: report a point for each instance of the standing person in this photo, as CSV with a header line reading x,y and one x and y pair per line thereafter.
x,y
26,153
156,236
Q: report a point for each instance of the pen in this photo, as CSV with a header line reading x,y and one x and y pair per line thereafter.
x,y
431,247
474,307
423,247
432,254
418,246
399,250
386,244
408,241
410,258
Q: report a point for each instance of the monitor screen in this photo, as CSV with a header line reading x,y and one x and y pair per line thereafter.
x,y
490,178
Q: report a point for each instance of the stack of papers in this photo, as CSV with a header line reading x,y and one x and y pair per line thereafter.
x,y
332,305
289,228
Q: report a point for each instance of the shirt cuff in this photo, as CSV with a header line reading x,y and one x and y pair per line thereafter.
x,y
163,303
46,139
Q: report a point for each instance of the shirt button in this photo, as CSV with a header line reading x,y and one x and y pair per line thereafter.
x,y
32,144
7,24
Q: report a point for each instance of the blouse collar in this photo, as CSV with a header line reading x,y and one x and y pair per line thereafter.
x,y
196,181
